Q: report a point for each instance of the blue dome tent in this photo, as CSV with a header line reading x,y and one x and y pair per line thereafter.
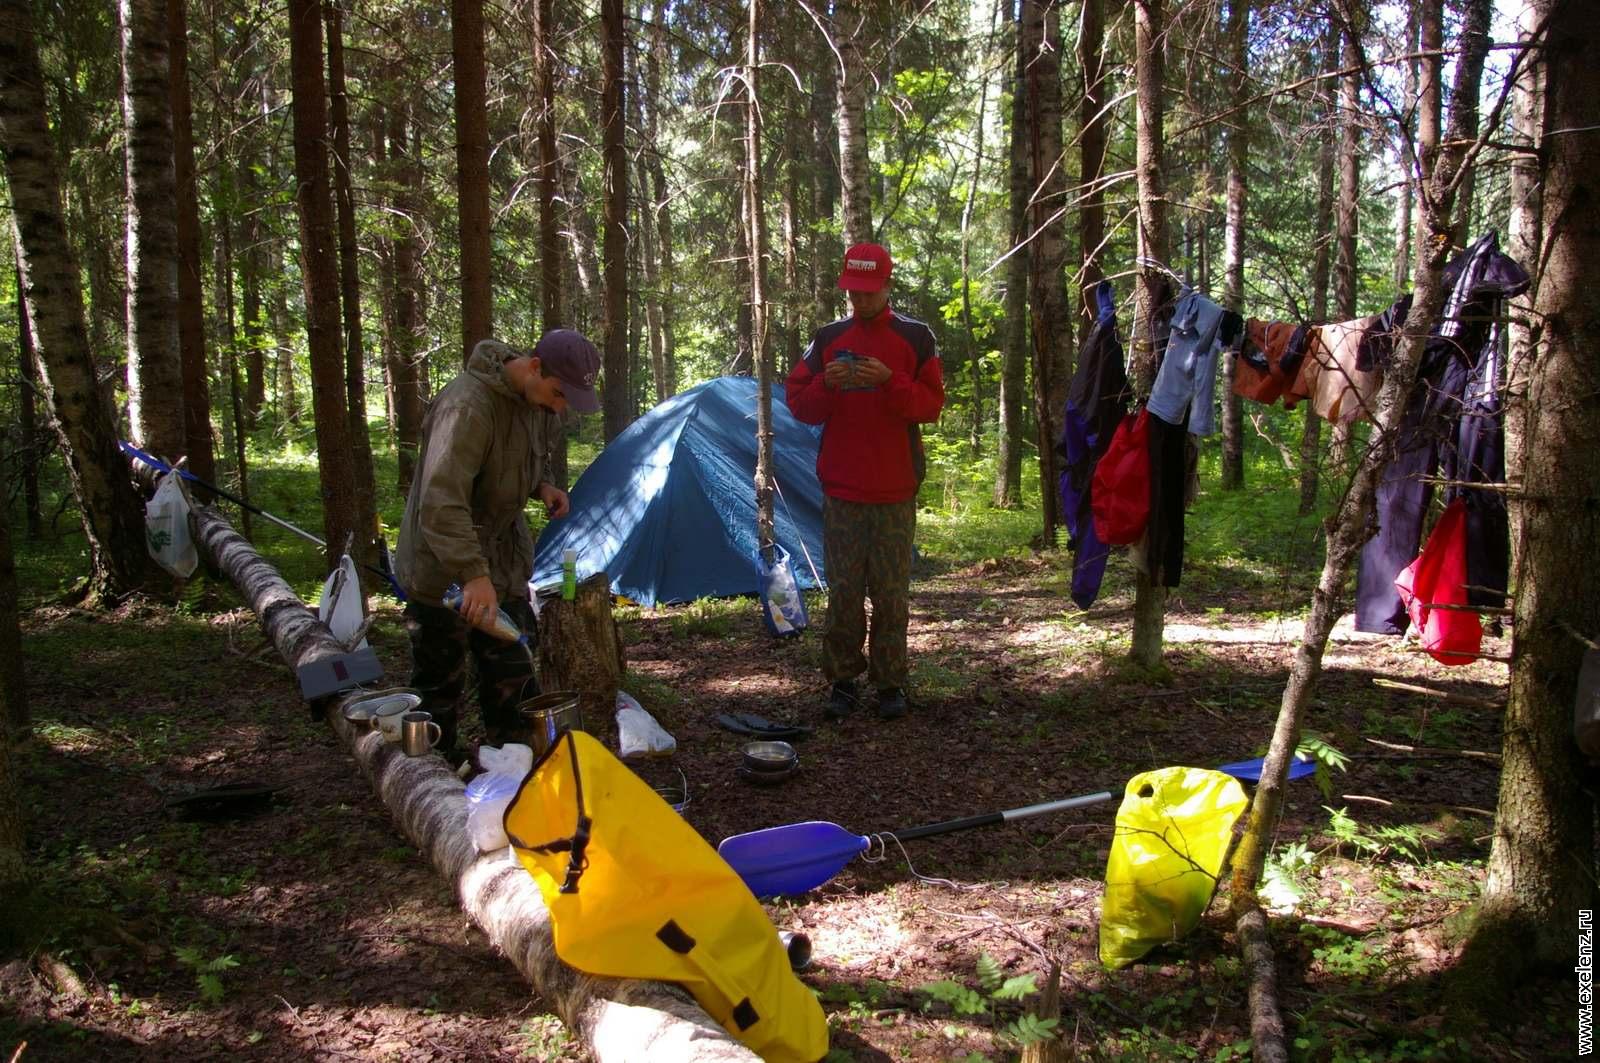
x,y
668,509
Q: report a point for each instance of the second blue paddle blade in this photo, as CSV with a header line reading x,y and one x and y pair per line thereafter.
x,y
793,858
1250,770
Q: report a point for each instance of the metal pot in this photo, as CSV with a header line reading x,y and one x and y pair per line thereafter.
x,y
547,716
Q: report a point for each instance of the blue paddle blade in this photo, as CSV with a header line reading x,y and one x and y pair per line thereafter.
x,y
794,858
1250,770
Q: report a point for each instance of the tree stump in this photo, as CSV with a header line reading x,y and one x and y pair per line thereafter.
x,y
580,649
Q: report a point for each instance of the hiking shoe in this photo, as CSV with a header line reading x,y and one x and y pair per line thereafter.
x,y
892,703
842,700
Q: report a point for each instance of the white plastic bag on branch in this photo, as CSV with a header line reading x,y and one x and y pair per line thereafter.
x,y
166,528
340,606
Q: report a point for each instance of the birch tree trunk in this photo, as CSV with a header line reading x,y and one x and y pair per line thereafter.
x,y
849,22
113,520
30,440
472,172
1150,598
155,373
617,400
1541,864
319,271
199,443
1349,530
616,1019
1238,34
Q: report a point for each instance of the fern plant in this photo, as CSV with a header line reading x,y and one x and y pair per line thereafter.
x,y
207,972
993,987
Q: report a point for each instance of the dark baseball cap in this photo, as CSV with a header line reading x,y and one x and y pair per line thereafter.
x,y
866,268
572,359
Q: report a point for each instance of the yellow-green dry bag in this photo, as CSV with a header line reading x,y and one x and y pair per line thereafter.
x,y
1173,831
635,892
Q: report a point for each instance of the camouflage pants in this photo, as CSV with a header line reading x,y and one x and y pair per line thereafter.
x,y
868,551
440,642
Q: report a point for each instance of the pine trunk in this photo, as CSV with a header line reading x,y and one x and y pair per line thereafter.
x,y
472,172
756,225
15,713
1238,32
1541,864
617,400
1047,248
155,372
1014,351
320,272
1092,133
661,207
549,225
1321,263
355,369
1150,598
409,340
199,443
113,520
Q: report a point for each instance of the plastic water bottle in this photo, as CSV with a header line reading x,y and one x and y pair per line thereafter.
x,y
501,626
569,575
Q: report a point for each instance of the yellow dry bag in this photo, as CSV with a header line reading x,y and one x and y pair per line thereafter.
x,y
1173,830
635,892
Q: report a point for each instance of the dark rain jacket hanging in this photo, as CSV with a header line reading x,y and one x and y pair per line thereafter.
x,y
1096,399
1453,425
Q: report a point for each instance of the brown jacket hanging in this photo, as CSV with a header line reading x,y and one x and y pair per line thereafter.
x,y
1271,363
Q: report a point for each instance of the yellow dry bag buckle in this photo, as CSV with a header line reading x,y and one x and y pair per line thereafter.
x,y
578,843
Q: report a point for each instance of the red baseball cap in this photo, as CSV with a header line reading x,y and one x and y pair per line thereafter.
x,y
866,268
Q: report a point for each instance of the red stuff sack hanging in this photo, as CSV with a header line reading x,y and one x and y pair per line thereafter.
x,y
1120,496
1439,577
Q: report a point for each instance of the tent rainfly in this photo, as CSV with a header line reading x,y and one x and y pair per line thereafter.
x,y
668,509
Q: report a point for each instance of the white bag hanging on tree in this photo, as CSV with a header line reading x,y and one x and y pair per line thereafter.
x,y
340,607
166,528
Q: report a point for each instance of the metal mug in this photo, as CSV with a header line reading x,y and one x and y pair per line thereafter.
x,y
548,715
418,733
386,719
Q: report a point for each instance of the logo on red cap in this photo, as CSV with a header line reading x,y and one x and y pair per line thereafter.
x,y
866,268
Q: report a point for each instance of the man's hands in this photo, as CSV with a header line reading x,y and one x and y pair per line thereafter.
x,y
863,372
556,503
478,601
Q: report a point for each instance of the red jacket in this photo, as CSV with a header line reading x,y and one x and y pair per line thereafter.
x,y
871,445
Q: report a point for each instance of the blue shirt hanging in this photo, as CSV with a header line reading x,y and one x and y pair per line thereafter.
x,y
1187,379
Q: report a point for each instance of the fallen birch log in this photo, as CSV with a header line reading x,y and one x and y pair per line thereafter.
x,y
617,1019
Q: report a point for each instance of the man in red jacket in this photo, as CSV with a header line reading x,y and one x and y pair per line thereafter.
x,y
869,380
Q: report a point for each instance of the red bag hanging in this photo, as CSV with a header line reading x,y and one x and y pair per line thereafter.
x,y
1439,577
1120,495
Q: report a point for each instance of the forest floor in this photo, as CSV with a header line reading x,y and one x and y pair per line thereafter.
x,y
313,931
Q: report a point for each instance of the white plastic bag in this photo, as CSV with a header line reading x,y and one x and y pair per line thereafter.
x,y
340,607
166,528
782,605
638,734
490,793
